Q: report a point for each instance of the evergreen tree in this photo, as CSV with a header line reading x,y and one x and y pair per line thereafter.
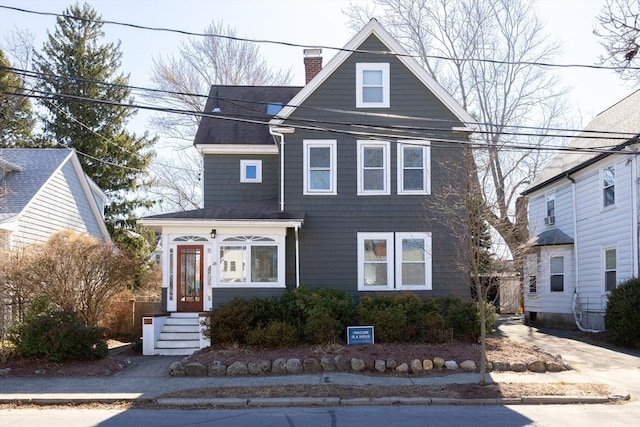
x,y
87,108
16,117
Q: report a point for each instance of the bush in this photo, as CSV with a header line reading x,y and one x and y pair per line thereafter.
x,y
386,315
275,334
58,336
229,323
622,316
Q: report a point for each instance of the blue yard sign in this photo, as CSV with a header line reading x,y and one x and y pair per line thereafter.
x,y
359,335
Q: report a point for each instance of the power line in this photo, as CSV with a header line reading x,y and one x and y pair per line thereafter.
x,y
291,44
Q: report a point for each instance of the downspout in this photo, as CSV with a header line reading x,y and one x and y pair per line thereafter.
x,y
297,258
280,132
634,213
576,293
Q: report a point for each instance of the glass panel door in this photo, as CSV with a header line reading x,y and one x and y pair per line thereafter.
x,y
190,278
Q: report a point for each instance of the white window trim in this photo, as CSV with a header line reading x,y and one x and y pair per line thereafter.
x,y
361,144
390,257
427,261
564,273
615,200
426,148
384,67
604,267
243,171
278,241
547,195
306,145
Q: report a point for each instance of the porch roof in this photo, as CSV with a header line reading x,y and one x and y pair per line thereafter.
x,y
551,238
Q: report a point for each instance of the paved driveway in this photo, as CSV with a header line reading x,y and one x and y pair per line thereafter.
x,y
591,359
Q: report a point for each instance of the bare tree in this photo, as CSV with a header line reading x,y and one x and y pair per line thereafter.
x,y
619,32
200,62
75,271
481,52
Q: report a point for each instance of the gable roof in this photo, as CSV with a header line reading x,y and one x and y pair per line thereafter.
x,y
613,129
243,114
33,168
373,27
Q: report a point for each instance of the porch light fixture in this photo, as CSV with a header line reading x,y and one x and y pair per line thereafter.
x,y
213,233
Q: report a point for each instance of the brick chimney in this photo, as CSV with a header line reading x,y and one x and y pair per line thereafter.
x,y
312,63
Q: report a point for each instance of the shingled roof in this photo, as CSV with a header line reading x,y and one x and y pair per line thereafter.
x,y
241,115
252,210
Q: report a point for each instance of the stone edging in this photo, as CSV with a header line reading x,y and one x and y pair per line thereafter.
x,y
282,366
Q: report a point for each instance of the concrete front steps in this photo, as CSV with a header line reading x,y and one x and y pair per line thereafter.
x,y
180,335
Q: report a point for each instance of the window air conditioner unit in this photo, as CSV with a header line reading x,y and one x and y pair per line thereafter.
x,y
550,220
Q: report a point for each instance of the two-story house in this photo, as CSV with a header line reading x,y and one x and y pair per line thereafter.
x,y
583,222
336,184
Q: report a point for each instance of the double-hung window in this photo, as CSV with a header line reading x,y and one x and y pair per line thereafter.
x,y
609,186
394,261
372,85
251,261
320,167
532,272
550,199
556,269
413,167
373,168
610,276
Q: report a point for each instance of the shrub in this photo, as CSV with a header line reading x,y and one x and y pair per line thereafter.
x,y
435,328
622,316
58,336
463,317
387,317
229,323
322,329
275,334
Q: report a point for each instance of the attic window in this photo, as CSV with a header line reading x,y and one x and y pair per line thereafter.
x,y
372,85
251,171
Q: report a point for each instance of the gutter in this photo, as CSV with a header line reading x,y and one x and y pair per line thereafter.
x,y
280,132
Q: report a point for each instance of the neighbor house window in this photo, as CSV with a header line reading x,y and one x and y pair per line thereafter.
x,y
532,271
394,261
250,170
373,168
320,164
550,198
610,276
557,273
372,85
609,186
413,168
254,261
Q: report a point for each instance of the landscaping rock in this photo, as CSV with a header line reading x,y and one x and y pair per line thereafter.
x,y
391,363
438,362
537,366
501,366
468,365
237,368
176,369
311,364
452,365
427,365
328,364
380,365
5,372
195,369
260,367
518,367
217,369
403,368
416,365
554,366
342,363
357,364
294,366
279,366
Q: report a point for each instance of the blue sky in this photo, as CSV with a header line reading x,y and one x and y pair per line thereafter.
x,y
319,22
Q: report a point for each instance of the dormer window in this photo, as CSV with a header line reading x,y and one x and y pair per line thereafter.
x,y
372,85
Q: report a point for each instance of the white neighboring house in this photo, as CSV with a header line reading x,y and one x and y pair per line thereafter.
x,y
583,222
43,191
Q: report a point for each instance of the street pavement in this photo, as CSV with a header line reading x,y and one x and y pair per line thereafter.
x,y
148,379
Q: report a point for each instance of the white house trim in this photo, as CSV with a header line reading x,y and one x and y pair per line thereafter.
x,y
236,149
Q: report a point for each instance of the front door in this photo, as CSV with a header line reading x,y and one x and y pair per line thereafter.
x,y
190,261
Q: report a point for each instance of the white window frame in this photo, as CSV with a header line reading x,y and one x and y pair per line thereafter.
x,y
426,237
426,167
360,69
393,261
307,144
550,197
243,171
386,179
278,241
605,270
533,262
563,274
604,188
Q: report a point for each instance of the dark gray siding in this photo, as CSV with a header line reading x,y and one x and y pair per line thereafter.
x,y
328,239
222,179
222,296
